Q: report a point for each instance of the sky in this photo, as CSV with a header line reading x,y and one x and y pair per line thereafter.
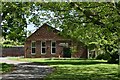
x,y
31,27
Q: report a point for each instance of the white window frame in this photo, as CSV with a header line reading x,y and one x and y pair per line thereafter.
x,y
43,47
53,47
33,47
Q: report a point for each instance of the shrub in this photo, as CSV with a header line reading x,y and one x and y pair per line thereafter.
x,y
100,56
6,67
113,61
114,58
104,56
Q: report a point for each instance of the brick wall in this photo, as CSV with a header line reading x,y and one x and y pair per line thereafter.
x,y
38,50
13,51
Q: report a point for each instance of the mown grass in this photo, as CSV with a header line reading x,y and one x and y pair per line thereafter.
x,y
84,72
78,69
4,68
61,61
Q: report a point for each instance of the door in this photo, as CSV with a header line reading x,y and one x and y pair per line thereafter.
x,y
66,52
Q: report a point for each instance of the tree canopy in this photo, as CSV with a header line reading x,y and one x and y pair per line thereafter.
x,y
96,24
14,21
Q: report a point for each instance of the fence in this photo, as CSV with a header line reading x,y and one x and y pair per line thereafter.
x,y
12,51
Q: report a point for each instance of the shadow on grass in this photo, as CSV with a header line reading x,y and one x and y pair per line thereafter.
x,y
83,76
79,73
65,63
82,73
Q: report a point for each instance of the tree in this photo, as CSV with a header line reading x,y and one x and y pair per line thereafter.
x,y
14,22
97,25
94,24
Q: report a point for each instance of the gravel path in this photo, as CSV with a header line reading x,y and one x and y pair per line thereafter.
x,y
27,71
6,60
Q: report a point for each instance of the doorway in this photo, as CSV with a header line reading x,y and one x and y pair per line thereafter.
x,y
66,52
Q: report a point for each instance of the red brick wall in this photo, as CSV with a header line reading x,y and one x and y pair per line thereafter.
x,y
38,50
45,33
81,52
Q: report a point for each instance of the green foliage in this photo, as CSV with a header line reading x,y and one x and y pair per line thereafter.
x,y
94,24
14,22
114,58
5,67
103,56
74,49
10,43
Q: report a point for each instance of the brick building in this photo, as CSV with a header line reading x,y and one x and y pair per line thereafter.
x,y
46,42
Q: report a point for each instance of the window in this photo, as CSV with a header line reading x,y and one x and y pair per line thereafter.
x,y
53,47
43,47
33,46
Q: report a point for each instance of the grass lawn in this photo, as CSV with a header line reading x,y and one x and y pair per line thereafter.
x,y
78,69
5,67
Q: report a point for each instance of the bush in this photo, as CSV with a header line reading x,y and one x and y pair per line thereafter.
x,y
6,67
104,56
111,58
100,56
113,61
114,58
